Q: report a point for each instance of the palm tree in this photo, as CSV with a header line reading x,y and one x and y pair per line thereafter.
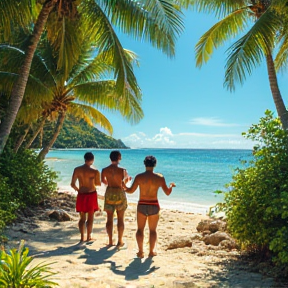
x,y
86,89
158,21
261,26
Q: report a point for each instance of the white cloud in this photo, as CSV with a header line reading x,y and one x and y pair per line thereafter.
x,y
166,139
212,122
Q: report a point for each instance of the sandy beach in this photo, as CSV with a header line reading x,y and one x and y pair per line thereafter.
x,y
183,259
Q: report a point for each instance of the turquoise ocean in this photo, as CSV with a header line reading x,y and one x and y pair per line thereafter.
x,y
196,172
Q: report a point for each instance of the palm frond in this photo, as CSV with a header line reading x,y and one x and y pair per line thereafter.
x,y
65,38
90,115
157,21
225,29
12,57
281,59
103,95
107,42
248,51
220,8
94,69
11,18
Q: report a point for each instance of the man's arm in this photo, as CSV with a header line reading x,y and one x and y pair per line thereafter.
x,y
103,177
73,181
133,187
97,178
167,190
126,178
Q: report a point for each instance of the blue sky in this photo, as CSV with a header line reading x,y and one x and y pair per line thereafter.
x,y
188,107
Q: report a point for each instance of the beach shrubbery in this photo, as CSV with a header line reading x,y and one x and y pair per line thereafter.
x,y
30,179
24,181
8,205
257,204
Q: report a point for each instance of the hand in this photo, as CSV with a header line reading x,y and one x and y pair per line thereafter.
x,y
172,184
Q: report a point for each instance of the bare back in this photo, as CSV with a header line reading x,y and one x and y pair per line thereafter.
x,y
149,183
113,176
87,177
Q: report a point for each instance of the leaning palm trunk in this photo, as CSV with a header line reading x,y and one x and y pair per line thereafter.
x,y
19,86
278,100
58,128
21,139
31,140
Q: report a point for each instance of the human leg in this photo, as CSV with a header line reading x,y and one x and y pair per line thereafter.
x,y
81,224
152,222
89,225
141,222
109,226
120,227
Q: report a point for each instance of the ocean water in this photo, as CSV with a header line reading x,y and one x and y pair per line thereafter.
x,y
197,173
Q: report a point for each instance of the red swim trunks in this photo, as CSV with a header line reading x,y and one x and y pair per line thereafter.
x,y
87,202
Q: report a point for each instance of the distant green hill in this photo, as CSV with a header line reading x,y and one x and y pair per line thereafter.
x,y
78,134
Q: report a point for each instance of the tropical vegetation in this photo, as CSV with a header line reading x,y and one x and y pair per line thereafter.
x,y
262,31
15,271
156,21
77,134
257,198
86,88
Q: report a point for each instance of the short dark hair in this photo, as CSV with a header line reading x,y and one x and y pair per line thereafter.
x,y
150,161
89,156
114,155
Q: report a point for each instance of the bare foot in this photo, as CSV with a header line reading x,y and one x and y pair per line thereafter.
x,y
140,254
90,239
152,254
120,245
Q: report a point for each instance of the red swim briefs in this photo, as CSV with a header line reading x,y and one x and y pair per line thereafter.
x,y
87,202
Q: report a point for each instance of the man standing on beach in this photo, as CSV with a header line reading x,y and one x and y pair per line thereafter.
x,y
115,198
148,206
87,202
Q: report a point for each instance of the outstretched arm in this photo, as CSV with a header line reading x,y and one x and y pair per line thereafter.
x,y
133,186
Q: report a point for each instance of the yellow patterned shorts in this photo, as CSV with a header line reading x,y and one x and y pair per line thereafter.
x,y
115,199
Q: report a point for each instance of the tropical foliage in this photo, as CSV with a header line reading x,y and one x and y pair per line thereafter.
x,y
158,22
77,134
50,95
261,31
15,270
29,180
256,206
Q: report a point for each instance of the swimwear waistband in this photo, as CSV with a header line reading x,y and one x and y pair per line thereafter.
x,y
148,202
88,193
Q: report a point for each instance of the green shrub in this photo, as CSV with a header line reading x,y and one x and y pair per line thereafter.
x,y
257,204
15,271
30,179
8,205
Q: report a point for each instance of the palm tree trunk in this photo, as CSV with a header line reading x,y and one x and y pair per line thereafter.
x,y
21,139
278,100
40,127
58,128
19,86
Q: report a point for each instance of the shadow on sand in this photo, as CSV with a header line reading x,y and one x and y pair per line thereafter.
x,y
132,272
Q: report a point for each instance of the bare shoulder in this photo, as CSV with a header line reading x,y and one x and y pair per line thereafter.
x,y
79,168
159,175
